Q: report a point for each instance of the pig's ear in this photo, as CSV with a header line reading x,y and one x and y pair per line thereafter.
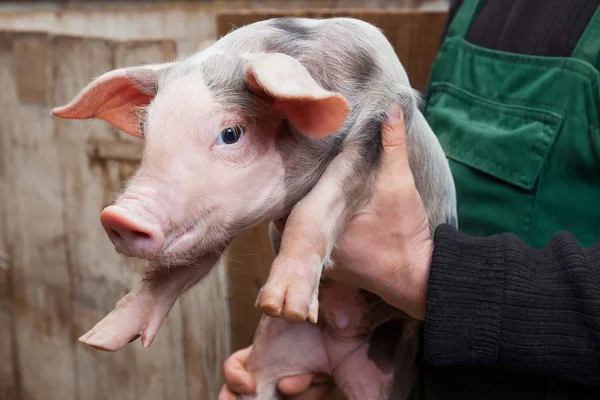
x,y
312,110
116,97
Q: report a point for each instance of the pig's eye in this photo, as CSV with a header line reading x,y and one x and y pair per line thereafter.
x,y
231,135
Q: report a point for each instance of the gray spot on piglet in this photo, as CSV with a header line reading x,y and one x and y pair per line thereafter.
x,y
371,151
292,27
366,68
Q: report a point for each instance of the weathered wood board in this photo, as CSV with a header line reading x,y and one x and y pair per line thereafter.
x,y
190,22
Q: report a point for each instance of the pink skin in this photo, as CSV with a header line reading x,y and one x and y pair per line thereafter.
x,y
193,193
141,312
336,346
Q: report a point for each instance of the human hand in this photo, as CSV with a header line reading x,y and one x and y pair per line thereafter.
x,y
386,246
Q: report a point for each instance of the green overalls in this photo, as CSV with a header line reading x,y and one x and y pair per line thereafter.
x,y
522,136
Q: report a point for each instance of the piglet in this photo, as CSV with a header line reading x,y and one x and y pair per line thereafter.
x,y
278,118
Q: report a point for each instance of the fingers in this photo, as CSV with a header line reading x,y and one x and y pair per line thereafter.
x,y
394,129
306,387
238,379
393,132
295,384
395,175
225,394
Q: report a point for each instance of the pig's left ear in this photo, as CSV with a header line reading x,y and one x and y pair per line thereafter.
x,y
116,97
312,110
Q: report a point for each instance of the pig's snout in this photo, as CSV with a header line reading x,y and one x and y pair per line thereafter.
x,y
132,237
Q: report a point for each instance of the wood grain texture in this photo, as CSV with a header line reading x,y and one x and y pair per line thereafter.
x,y
249,259
40,283
206,333
9,377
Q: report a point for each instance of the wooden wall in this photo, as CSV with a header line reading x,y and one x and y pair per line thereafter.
x,y
415,35
59,273
190,23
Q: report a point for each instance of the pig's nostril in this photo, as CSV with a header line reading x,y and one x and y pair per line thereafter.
x,y
125,233
113,233
137,235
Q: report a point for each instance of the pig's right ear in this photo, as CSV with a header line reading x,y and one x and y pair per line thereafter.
x,y
310,109
116,97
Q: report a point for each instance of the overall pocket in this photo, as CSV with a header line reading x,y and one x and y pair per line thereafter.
x,y
496,152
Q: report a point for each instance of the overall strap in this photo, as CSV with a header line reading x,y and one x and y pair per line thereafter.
x,y
464,18
588,47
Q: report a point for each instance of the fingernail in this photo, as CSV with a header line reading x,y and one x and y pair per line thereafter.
x,y
395,114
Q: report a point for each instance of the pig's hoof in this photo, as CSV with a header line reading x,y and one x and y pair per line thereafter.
x,y
292,308
270,307
294,316
102,340
274,306
291,292
313,311
121,326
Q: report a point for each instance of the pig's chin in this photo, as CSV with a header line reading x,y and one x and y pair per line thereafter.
x,y
183,244
190,247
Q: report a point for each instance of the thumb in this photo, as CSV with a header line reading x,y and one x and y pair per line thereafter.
x,y
306,387
393,138
295,384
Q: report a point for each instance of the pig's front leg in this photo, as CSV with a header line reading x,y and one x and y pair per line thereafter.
x,y
311,231
142,311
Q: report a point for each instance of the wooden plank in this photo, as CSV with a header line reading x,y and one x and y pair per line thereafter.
x,y
206,334
40,282
249,259
415,36
115,150
99,279
9,377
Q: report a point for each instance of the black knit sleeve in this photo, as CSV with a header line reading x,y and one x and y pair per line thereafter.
x,y
496,302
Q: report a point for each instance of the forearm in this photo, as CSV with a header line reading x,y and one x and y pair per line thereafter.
x,y
495,301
